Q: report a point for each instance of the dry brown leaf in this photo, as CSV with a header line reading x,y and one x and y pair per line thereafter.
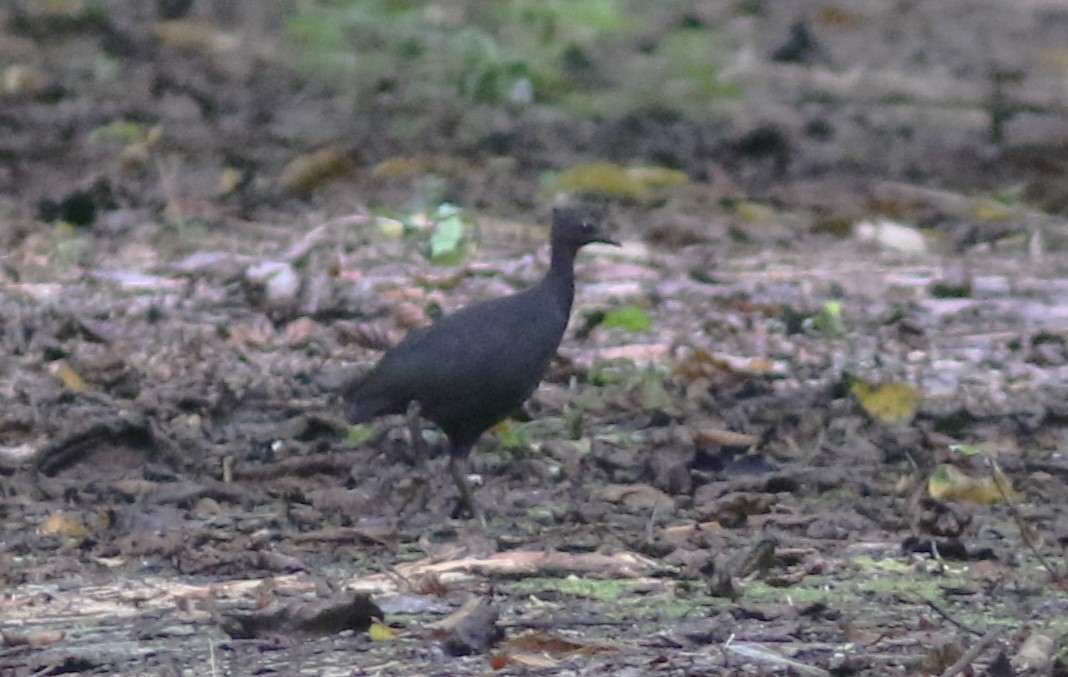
x,y
68,377
31,639
537,661
405,294
365,334
635,496
547,643
20,79
724,438
428,584
307,173
1055,58
701,364
949,483
500,661
733,509
603,178
889,402
640,354
413,166
195,35
760,366
683,531
381,534
452,620
300,332
838,17
252,334
860,636
59,524
410,315
229,179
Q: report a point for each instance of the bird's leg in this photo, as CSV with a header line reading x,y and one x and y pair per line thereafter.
x,y
415,433
458,470
415,430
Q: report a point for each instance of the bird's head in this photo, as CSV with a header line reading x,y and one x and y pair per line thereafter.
x,y
574,227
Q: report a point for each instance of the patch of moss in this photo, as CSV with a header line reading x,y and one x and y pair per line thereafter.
x,y
612,180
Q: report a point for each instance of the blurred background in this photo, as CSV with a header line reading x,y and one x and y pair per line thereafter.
x,y
198,110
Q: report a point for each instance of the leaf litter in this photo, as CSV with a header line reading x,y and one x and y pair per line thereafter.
x,y
711,489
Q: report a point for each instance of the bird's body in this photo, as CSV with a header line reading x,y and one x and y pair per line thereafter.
x,y
441,366
471,369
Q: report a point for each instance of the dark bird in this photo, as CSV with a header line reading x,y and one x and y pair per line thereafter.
x,y
471,369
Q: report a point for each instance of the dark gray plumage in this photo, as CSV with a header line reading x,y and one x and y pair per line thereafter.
x,y
471,369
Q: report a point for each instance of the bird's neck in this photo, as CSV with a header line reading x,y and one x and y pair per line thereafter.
x,y
561,276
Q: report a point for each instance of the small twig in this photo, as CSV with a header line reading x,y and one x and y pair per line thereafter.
x,y
322,234
1056,576
944,614
168,180
971,654
650,525
211,656
938,557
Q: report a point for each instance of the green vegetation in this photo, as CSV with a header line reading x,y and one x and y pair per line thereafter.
x,y
588,57
443,231
628,318
642,184
828,321
359,434
447,243
627,598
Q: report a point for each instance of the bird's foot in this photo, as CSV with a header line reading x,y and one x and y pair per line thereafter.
x,y
466,503
463,510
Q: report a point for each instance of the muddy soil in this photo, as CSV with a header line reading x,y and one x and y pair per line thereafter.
x,y
837,446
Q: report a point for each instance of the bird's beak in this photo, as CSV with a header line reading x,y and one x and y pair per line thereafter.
x,y
604,239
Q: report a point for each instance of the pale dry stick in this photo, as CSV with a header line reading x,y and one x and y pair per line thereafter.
x,y
938,557
760,654
1058,578
957,202
650,525
322,234
168,183
971,654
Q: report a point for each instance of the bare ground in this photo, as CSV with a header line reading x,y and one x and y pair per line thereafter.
x,y
180,495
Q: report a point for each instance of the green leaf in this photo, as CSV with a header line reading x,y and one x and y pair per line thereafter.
x,y
512,435
627,318
828,321
447,243
965,449
358,434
